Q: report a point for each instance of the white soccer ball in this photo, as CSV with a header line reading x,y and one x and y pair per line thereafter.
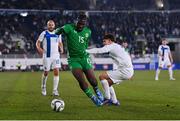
x,y
57,105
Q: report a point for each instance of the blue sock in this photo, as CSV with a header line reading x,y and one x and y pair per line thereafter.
x,y
99,94
96,101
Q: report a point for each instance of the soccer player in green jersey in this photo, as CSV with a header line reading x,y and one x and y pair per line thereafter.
x,y
77,37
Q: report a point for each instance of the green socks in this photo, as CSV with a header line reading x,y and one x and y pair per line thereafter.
x,y
88,92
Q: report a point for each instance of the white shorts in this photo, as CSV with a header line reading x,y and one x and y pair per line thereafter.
x,y
51,63
119,75
162,63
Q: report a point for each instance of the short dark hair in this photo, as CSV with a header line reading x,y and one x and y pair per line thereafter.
x,y
109,36
122,41
82,17
163,39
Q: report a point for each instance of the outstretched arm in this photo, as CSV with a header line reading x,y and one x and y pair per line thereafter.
x,y
64,29
59,31
104,49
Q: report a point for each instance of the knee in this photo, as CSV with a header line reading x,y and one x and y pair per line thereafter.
x,y
169,66
94,83
56,72
160,68
83,85
102,77
45,73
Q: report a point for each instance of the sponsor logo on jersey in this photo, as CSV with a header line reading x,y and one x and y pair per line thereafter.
x,y
75,31
86,35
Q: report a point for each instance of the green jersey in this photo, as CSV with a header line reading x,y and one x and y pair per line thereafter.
x,y
77,42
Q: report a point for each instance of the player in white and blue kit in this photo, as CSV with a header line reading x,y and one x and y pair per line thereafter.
x,y
165,59
50,54
124,70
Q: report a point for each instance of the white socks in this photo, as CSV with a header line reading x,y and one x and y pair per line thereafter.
x,y
157,73
109,91
113,94
43,81
106,88
55,82
170,72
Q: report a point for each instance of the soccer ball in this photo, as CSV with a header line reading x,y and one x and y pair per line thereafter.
x,y
57,105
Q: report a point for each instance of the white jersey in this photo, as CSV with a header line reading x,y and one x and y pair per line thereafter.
x,y
164,50
120,57
50,43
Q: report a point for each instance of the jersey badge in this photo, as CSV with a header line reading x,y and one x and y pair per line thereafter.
x,y
86,35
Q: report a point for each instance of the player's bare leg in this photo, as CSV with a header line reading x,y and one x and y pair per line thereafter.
x,y
43,83
157,73
79,75
170,72
93,81
56,82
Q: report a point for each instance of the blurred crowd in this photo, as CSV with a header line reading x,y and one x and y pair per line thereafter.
x,y
18,34
142,30
88,4
45,4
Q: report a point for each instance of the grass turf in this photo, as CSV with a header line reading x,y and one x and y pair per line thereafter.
x,y
141,98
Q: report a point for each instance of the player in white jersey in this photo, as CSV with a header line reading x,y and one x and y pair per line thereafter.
x,y
165,59
124,69
50,54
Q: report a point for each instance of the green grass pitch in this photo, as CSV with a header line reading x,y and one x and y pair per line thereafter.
x,y
141,98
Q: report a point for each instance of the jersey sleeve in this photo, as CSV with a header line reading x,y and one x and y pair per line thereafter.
x,y
59,31
66,28
41,36
104,49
